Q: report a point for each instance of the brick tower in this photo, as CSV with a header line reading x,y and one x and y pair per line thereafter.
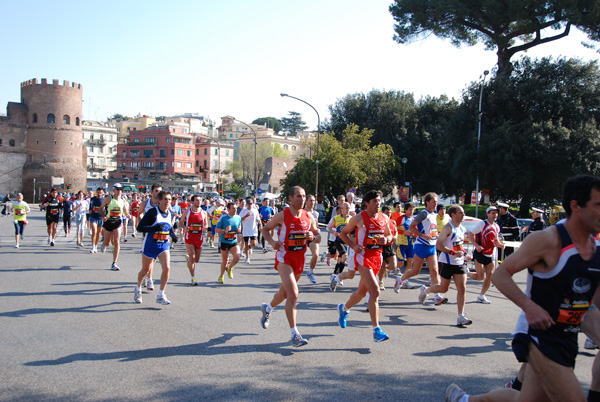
x,y
54,136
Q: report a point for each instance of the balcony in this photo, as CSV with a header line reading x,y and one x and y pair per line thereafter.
x,y
97,141
95,166
150,143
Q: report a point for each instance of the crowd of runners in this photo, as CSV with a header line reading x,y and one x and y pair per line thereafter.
x,y
562,262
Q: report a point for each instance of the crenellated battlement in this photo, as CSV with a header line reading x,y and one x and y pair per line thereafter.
x,y
44,81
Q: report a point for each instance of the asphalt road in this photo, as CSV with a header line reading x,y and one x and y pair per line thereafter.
x,y
70,331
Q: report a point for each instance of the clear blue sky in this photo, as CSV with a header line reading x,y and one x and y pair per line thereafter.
x,y
229,57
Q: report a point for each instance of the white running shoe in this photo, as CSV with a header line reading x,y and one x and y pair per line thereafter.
x,y
397,284
462,320
102,248
163,299
150,284
407,285
247,261
482,299
454,393
137,296
422,294
590,344
17,245
114,267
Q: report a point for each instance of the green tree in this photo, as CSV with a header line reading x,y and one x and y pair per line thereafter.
x,y
118,117
508,27
537,131
238,190
293,124
345,163
244,166
271,122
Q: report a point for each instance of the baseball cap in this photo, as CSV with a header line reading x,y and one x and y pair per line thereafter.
x,y
503,205
118,186
492,208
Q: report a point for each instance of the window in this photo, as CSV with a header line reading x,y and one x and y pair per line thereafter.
x,y
50,119
197,151
294,148
230,135
162,153
109,137
285,147
91,149
168,139
196,161
180,152
136,140
162,166
172,152
150,140
189,165
216,151
124,154
204,175
11,143
148,164
135,165
178,164
189,153
226,152
0,142
34,119
91,136
135,153
205,151
76,121
66,119
148,153
172,164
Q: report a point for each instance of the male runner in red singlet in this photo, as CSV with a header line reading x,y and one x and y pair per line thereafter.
x,y
196,221
372,232
296,228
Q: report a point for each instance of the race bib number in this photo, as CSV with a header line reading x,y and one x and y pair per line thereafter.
x,y
573,314
96,209
372,241
433,232
196,228
160,237
230,235
115,212
296,241
19,212
458,246
53,211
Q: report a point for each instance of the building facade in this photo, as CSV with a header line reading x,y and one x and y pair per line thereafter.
x,y
100,140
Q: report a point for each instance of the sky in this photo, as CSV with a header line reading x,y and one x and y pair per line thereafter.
x,y
231,57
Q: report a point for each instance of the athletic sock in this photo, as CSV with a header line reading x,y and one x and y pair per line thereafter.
x,y
269,308
294,331
161,293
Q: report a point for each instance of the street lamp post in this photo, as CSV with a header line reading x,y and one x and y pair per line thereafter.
x,y
318,134
485,74
255,166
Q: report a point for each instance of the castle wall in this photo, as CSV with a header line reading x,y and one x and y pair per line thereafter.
x,y
13,132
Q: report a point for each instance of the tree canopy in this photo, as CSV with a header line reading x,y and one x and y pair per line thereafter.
x,y
271,122
509,26
293,123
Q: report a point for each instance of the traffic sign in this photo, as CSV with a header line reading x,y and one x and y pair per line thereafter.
x,y
353,190
259,191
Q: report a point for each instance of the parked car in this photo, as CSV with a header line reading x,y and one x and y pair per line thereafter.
x,y
523,227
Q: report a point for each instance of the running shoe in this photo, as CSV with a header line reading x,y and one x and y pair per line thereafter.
x,y
247,261
438,301
298,340
187,259
333,283
144,282
407,285
379,335
194,282
462,320
221,280
454,393
397,284
323,256
230,273
311,277
133,235
328,261
102,248
429,283
51,243
114,267
482,299
265,250
381,285
162,299
422,294
264,321
17,245
343,315
150,284
137,296
589,344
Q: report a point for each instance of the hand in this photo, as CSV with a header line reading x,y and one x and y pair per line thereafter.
x,y
358,249
310,236
468,257
426,237
381,240
277,245
538,318
228,229
459,254
175,238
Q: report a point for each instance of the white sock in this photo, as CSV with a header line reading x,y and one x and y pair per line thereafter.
x,y
138,289
465,398
437,296
161,293
295,331
269,308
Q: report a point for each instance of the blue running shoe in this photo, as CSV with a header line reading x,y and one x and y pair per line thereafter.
x,y
298,341
343,316
379,335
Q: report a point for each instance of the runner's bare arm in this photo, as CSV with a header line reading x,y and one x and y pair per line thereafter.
x,y
354,223
272,224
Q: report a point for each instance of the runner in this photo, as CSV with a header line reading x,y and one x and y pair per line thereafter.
x,y
452,259
134,210
312,245
296,227
228,227
388,254
125,219
185,206
266,213
88,213
250,221
80,207
176,209
96,218
67,206
144,208
20,210
157,223
335,228
331,236
484,236
406,251
111,228
372,232
52,205
196,221
562,282
424,226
